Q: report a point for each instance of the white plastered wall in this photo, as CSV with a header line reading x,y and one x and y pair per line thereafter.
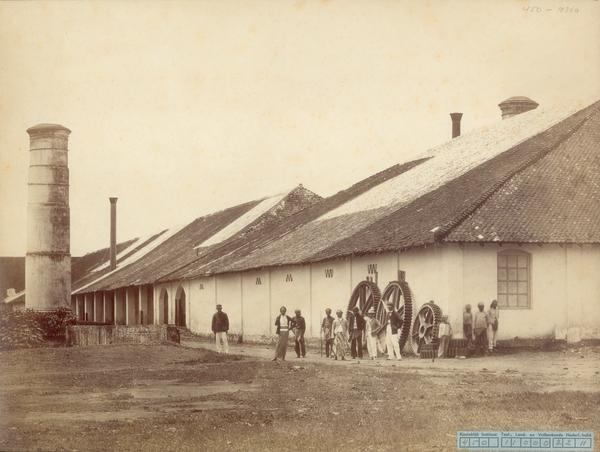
x,y
330,288
229,294
565,290
294,294
202,304
257,311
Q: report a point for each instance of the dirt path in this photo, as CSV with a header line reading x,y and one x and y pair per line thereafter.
x,y
188,398
574,369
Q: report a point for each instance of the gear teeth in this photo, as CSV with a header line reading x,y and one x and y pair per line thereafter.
x,y
373,296
405,308
433,338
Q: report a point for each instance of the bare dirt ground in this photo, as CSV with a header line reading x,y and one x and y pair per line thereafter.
x,y
188,398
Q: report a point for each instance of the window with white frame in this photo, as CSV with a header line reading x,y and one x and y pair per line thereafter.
x,y
514,279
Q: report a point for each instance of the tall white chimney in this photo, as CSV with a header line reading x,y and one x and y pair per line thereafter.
x,y
48,259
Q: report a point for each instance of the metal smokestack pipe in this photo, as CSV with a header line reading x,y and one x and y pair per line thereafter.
x,y
113,233
456,117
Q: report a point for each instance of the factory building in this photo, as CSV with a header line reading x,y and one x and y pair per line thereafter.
x,y
507,212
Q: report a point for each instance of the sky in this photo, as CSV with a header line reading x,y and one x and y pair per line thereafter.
x,y
181,109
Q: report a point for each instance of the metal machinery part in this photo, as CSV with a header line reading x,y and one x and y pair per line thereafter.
x,y
399,293
365,295
425,326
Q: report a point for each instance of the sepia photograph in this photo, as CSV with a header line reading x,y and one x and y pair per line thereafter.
x,y
300,225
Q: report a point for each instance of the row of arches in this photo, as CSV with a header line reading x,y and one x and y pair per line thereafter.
x,y
180,307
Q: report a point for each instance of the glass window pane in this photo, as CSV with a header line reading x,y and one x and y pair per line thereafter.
x,y
512,287
501,260
502,274
523,288
502,300
523,301
512,300
512,261
522,261
512,274
522,274
501,287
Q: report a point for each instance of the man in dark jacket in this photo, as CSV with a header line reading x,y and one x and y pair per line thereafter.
x,y
283,322
392,328
299,330
356,328
220,326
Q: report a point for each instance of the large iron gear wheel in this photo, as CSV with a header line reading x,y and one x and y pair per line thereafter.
x,y
365,295
425,326
399,293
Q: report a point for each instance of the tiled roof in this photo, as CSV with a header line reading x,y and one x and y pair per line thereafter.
x,y
167,255
179,250
556,199
431,217
533,177
286,237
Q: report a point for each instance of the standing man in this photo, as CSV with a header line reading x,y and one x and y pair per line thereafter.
x,y
220,326
468,326
283,323
327,331
371,327
299,330
480,326
340,334
444,335
492,319
357,326
393,325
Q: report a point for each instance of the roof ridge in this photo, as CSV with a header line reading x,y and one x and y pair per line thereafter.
x,y
217,247
446,229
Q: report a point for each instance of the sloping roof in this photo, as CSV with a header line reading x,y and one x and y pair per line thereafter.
x,y
431,217
554,200
181,247
424,204
534,177
12,270
18,297
280,229
144,266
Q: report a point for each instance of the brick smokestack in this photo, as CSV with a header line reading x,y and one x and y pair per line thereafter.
x,y
48,259
113,233
456,117
516,105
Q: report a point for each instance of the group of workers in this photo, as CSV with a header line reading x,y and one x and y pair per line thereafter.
x,y
480,329
341,334
337,332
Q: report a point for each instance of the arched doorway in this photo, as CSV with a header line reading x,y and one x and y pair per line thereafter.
x,y
180,307
163,307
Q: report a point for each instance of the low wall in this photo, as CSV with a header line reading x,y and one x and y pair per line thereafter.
x,y
121,334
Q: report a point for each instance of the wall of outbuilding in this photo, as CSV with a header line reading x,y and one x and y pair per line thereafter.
x,y
565,290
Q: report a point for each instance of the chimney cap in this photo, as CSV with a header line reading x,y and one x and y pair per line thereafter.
x,y
47,128
516,105
518,100
113,199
